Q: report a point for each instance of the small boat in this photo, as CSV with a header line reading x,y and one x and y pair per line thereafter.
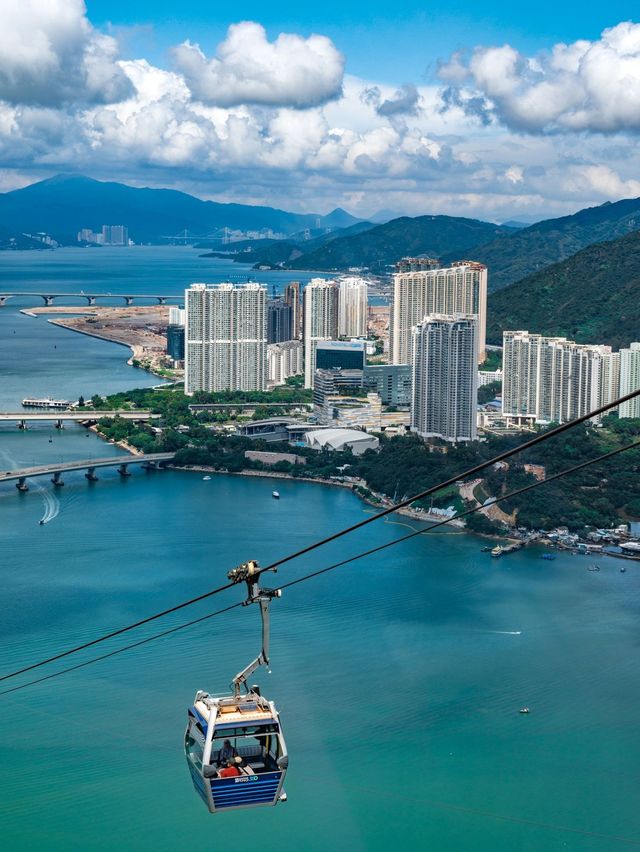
x,y
206,478
275,495
41,521
496,551
487,549
524,710
594,568
623,568
548,556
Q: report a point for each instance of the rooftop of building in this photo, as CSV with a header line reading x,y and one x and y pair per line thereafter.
x,y
337,437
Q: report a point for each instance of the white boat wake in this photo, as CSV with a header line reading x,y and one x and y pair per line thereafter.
x,y
506,632
51,505
51,502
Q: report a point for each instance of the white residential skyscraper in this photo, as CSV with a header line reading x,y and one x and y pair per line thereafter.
x,y
458,289
320,321
284,360
554,379
352,307
445,377
225,338
630,380
177,316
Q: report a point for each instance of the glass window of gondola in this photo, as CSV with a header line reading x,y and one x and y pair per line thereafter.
x,y
258,745
194,744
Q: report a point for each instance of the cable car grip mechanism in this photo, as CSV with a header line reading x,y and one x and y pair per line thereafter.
x,y
249,572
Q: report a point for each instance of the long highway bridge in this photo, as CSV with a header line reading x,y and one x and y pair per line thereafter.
x,y
78,415
55,471
91,298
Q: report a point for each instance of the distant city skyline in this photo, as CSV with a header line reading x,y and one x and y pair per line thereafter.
x,y
491,112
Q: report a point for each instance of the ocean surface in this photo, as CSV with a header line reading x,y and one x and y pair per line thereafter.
x,y
398,678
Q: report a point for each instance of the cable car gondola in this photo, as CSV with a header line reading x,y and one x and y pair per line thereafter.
x,y
234,745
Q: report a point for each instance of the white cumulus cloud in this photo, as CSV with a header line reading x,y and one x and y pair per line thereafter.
x,y
586,85
291,71
51,55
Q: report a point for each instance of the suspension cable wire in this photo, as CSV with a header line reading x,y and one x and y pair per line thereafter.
x,y
117,632
406,502
325,570
557,430
121,650
464,514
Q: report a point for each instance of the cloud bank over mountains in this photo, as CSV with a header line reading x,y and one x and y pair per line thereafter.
x,y
277,120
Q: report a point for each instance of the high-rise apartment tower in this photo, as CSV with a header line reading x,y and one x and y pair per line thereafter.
x,y
320,321
630,380
554,379
352,307
457,289
445,377
292,298
225,338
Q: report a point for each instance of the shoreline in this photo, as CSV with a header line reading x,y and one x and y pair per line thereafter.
x,y
408,513
138,351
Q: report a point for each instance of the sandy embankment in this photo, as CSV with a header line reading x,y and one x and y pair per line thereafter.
x,y
141,328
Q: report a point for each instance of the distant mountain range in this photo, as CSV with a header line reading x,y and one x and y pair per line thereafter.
x,y
376,247
62,205
592,297
511,253
577,276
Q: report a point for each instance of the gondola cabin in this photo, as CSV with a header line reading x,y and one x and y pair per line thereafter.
x,y
225,729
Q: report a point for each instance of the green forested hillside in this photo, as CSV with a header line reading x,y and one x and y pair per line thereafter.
x,y
513,256
593,297
377,247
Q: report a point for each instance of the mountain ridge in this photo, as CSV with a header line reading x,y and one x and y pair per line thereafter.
x,y
381,245
512,257
65,203
591,297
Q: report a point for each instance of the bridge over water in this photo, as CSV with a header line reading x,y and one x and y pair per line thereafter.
x,y
78,415
49,297
152,460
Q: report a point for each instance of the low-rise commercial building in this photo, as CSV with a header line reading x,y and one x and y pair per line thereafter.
x,y
342,439
391,381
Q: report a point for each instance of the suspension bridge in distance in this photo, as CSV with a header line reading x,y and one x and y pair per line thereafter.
x,y
152,461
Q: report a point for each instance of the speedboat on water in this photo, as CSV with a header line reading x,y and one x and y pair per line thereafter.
x,y
524,710
206,478
275,494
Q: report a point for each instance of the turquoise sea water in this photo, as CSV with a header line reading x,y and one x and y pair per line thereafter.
x,y
399,679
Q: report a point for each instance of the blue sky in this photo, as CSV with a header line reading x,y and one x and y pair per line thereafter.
x,y
399,40
495,110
